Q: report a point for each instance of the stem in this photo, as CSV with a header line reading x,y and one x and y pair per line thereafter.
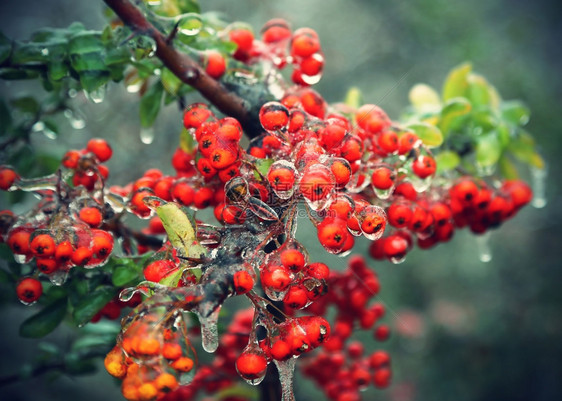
x,y
184,67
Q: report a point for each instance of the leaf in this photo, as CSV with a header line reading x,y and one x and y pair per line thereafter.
x,y
172,280
10,74
180,230
45,321
484,118
456,82
353,98
57,69
25,53
92,61
263,166
5,117
430,135
515,112
117,55
453,113
187,143
85,310
447,160
523,148
5,47
507,168
125,274
488,149
86,42
481,93
170,82
423,96
188,6
150,104
92,80
26,104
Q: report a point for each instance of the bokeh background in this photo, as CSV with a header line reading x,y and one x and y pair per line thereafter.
x,y
463,329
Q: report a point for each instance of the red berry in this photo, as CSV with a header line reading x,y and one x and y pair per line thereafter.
x,y
43,245
424,166
71,158
100,148
215,64
29,290
7,178
382,332
91,216
381,378
159,269
293,259
243,282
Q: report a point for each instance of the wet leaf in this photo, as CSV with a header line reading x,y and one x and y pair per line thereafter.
x,y
180,230
423,96
515,112
430,135
87,307
481,93
456,82
86,42
447,160
170,82
45,321
125,274
488,149
507,168
150,104
172,280
453,114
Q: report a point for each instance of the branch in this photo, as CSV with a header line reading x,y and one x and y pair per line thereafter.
x,y
184,67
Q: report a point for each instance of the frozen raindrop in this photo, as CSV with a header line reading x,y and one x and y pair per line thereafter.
x,y
286,371
282,177
45,52
372,221
147,135
58,277
483,245
75,119
189,24
262,210
538,182
209,331
97,95
142,47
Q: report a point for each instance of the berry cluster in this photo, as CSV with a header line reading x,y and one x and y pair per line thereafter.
x,y
350,293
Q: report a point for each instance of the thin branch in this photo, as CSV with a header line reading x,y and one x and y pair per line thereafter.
x,y
183,66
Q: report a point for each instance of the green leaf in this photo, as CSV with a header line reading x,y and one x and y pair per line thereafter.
x,y
353,98
453,114
92,80
92,61
263,166
150,104
86,42
10,74
523,148
117,55
481,93
45,321
5,47
507,168
24,53
484,118
5,117
126,274
187,143
488,149
26,104
57,69
85,310
447,160
170,82
180,229
430,135
515,112
423,96
172,280
456,82
188,6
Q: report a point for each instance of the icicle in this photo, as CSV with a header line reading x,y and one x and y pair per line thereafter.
x,y
483,244
209,331
146,135
286,372
538,183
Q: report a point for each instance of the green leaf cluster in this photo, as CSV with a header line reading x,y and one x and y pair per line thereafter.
x,y
472,126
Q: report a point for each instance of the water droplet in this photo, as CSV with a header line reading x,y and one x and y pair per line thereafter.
x,y
154,3
484,250
282,176
538,184
209,331
142,47
97,95
147,135
45,52
75,118
286,371
372,221
189,24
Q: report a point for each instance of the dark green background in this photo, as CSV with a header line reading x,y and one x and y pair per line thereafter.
x,y
477,331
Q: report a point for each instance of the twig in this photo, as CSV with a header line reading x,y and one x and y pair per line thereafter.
x,y
184,67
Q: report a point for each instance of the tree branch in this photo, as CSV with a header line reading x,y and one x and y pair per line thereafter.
x,y
183,66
